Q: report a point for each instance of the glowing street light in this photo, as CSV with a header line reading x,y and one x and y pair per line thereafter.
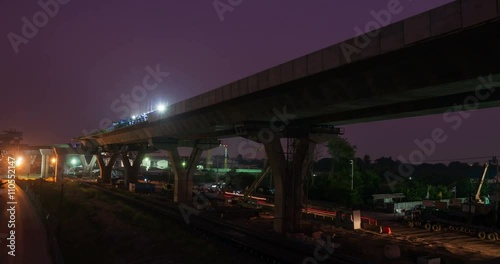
x,y
73,162
53,160
19,161
134,117
161,108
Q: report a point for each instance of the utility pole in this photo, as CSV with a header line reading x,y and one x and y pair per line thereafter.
x,y
497,194
352,175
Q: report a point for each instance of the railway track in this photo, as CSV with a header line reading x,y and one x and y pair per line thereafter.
x,y
271,249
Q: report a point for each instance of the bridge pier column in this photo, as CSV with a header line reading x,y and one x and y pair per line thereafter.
x,y
106,168
32,155
289,182
132,170
87,166
59,167
42,170
46,153
183,175
61,154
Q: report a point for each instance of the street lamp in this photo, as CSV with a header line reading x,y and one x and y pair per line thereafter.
x,y
161,108
225,156
19,161
53,161
352,174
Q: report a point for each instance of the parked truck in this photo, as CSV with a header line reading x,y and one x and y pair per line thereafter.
x,y
476,217
435,220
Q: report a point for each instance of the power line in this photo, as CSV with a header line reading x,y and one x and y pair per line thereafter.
x,y
460,159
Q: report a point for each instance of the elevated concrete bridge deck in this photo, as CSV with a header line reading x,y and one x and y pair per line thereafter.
x,y
440,60
418,66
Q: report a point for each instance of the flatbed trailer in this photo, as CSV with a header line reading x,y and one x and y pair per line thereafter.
x,y
416,218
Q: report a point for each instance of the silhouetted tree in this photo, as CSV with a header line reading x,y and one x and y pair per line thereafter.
x,y
239,181
342,151
367,162
239,159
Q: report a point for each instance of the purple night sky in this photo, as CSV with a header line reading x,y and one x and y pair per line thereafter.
x,y
65,78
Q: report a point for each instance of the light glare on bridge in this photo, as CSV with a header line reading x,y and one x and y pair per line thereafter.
x,y
19,161
161,108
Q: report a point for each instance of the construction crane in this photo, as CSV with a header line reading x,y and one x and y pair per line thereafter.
x,y
480,185
247,200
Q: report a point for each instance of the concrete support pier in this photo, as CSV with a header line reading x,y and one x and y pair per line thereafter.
x,y
183,175
132,170
106,168
289,177
46,154
61,154
87,166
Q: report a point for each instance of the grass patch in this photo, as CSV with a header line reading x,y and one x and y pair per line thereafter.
x,y
99,228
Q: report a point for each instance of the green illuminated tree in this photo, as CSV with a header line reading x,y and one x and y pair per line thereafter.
x,y
341,151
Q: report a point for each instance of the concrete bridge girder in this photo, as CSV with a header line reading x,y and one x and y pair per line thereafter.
x,y
90,146
262,132
168,143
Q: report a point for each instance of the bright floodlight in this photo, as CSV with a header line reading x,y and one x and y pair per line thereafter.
x,y
133,117
19,161
73,161
161,108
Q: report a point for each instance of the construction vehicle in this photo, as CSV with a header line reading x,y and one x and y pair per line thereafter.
x,y
434,220
477,222
247,200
